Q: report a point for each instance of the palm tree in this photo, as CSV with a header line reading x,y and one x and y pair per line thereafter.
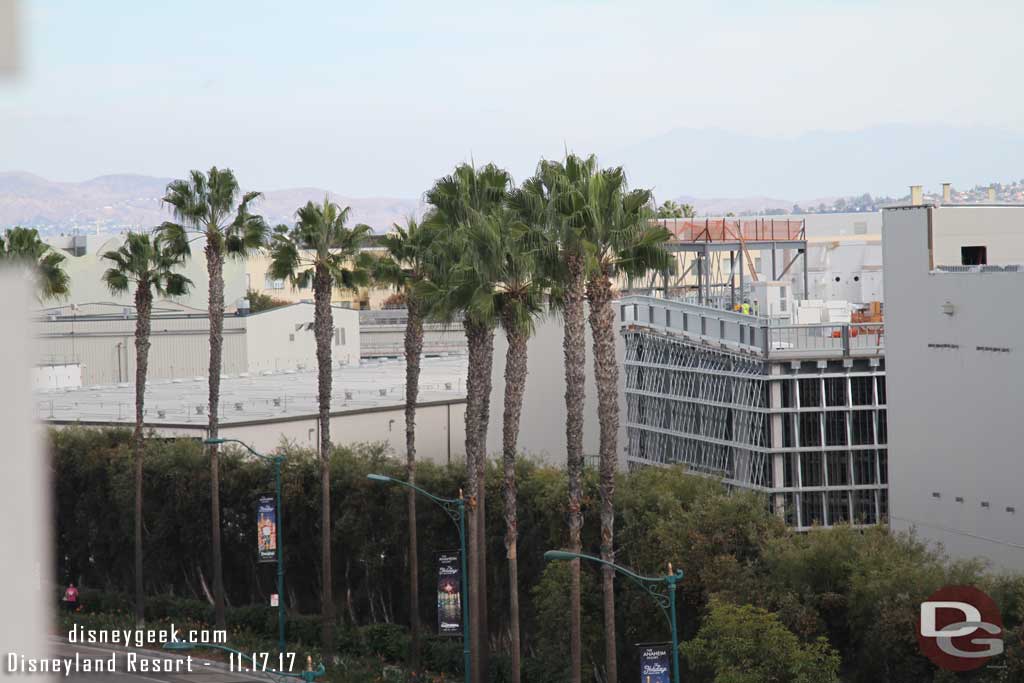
x,y
23,246
510,246
623,241
554,197
148,265
406,265
458,201
212,204
321,250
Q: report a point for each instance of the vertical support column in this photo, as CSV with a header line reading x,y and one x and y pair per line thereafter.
x,y
775,431
806,291
732,280
700,278
741,259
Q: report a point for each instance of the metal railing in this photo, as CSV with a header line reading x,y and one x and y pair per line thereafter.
x,y
752,334
1009,268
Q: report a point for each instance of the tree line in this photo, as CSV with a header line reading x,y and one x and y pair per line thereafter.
x,y
758,602
495,254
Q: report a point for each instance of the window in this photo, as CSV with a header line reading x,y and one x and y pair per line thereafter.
x,y
271,283
974,256
339,336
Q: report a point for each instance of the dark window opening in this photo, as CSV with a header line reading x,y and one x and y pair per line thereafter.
x,y
974,256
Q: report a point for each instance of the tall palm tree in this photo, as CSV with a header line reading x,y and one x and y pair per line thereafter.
x,y
148,265
212,204
458,201
323,251
405,267
508,246
23,246
554,196
622,240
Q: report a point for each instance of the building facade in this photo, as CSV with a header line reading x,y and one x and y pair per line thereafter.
x,y
953,289
797,412
100,339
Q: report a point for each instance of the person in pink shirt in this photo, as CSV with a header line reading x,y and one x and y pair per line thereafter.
x,y
71,598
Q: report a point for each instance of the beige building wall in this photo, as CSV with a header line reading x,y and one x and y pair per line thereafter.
x,y
283,338
258,279
86,273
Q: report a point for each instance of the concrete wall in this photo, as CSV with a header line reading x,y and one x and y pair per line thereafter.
x,y
954,404
542,430
56,377
999,228
283,338
438,425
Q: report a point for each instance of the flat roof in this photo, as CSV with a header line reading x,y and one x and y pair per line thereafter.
x,y
267,397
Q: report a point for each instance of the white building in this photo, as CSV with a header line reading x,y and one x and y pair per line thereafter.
x,y
956,368
100,339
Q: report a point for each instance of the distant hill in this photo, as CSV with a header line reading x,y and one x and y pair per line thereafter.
x,y
117,202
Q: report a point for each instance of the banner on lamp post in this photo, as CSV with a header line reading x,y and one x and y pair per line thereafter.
x,y
449,593
266,529
654,662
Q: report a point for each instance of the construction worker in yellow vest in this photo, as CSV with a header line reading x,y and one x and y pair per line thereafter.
x,y
745,309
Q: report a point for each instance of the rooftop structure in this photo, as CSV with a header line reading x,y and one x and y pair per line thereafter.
x,y
367,406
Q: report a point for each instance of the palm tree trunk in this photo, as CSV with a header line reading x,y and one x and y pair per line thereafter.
x,y
606,374
480,346
215,270
574,350
515,386
143,309
481,511
323,329
413,353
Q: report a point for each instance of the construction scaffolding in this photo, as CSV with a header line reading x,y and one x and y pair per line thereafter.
x,y
713,263
809,430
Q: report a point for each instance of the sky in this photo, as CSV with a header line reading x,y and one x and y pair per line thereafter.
x,y
379,98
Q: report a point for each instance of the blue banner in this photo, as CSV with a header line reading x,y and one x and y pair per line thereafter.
x,y
654,663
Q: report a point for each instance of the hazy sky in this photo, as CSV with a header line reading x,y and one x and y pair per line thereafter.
x,y
379,98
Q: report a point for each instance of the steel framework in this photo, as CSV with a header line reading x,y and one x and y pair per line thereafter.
x,y
809,433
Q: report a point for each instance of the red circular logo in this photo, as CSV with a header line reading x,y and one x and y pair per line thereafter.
x,y
960,628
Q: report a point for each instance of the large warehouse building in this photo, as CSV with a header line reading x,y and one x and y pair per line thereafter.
x,y
97,342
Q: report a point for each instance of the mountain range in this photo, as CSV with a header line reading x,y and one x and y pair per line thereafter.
x,y
118,202
716,171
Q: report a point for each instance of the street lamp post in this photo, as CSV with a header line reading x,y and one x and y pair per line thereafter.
x,y
455,508
277,460
666,600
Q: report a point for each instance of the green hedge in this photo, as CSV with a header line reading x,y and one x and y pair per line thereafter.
x,y
859,589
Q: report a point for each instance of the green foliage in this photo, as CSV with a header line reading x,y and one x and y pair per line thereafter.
x,y
148,262
859,588
258,301
746,644
24,247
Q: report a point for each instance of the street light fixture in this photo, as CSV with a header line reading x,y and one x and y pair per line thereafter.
x,y
666,600
455,508
277,460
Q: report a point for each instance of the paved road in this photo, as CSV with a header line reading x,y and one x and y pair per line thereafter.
x,y
147,666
